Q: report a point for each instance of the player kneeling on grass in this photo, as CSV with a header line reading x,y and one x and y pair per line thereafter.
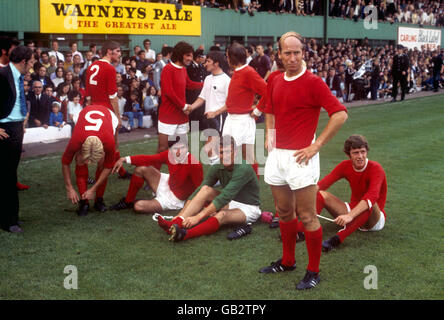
x,y
368,185
185,175
237,203
92,141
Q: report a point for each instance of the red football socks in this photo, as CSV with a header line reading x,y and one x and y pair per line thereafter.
x,y
211,225
101,189
289,231
135,184
357,222
82,178
313,241
21,186
166,225
320,203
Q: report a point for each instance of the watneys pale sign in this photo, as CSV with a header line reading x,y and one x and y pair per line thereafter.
x,y
124,17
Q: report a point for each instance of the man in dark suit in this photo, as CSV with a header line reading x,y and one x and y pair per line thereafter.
x,y
334,83
196,72
40,106
400,67
42,76
12,114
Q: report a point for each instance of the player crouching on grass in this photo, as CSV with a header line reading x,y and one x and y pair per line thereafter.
x,y
237,203
92,141
368,185
185,175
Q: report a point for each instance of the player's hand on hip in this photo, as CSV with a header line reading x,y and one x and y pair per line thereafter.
x,y
342,220
304,155
3,134
118,165
190,222
72,195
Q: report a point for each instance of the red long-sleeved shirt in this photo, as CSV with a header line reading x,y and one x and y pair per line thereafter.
x,y
244,84
369,185
174,82
184,177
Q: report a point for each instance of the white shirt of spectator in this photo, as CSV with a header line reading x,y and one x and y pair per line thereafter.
x,y
121,102
74,110
57,54
215,91
151,54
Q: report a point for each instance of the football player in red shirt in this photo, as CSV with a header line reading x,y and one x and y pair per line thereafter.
x,y
368,185
91,141
172,189
101,86
173,118
294,101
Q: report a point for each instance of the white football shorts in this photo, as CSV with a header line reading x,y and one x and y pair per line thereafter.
x,y
173,129
165,196
282,169
242,127
252,213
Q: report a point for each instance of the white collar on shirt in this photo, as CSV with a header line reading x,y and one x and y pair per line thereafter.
x,y
304,68
240,68
175,65
363,169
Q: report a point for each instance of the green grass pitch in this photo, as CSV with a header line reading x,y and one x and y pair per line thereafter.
x,y
121,255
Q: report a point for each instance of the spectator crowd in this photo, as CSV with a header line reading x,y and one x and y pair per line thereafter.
x,y
353,70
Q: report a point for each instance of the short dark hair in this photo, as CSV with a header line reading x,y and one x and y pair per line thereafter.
x,y
180,49
21,53
214,48
72,94
7,42
109,45
237,54
217,56
166,51
145,41
355,141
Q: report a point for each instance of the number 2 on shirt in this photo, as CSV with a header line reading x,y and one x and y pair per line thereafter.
x,y
96,69
97,122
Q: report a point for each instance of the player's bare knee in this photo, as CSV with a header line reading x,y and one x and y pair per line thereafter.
x,y
220,216
306,218
139,171
138,207
284,211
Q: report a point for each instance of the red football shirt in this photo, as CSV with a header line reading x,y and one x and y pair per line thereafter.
x,y
93,121
101,83
244,85
174,82
296,105
370,184
184,177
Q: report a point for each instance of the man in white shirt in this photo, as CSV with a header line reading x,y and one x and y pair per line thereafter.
x,y
213,94
55,51
150,54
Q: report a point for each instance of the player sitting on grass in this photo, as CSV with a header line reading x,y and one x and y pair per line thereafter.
x,y
237,203
92,141
368,187
185,175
